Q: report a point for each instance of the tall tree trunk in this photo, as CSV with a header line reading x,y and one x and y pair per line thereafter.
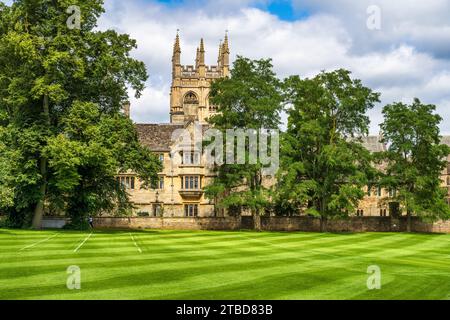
x,y
39,209
323,224
408,211
408,221
323,218
256,220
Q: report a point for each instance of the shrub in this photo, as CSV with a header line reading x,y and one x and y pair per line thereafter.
x,y
143,214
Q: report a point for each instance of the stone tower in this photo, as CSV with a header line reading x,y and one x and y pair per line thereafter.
x,y
189,94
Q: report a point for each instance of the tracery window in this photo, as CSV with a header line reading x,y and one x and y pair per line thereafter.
x,y
190,98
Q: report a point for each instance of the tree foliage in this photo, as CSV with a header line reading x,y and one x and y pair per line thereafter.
x,y
324,166
51,75
415,158
249,99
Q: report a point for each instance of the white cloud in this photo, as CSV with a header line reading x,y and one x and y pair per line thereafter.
x,y
422,24
391,60
153,103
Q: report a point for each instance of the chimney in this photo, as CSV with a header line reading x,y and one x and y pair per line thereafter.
x,y
126,109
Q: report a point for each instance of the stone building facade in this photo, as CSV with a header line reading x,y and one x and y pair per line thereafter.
x,y
189,93
179,191
377,201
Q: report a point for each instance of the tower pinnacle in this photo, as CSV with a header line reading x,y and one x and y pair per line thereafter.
x,y
225,56
226,48
176,46
201,54
176,58
219,58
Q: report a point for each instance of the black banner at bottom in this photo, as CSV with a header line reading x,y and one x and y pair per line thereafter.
x,y
238,309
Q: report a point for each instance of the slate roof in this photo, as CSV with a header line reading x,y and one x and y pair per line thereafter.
x,y
158,136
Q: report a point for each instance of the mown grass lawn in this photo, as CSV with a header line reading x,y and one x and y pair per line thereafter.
x,y
222,265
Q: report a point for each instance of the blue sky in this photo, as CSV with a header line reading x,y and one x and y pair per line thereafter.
x,y
283,9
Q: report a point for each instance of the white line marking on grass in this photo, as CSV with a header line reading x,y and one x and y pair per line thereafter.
x,y
79,246
132,238
35,244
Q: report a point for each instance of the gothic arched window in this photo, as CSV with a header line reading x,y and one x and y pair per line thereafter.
x,y
190,98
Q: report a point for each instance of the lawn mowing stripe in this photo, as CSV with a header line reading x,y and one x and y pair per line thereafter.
x,y
177,270
39,242
237,266
200,257
229,266
211,239
79,246
393,247
210,246
318,252
132,238
206,253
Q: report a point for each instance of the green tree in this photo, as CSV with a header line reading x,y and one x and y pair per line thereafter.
x,y
323,164
46,67
6,177
415,159
85,157
249,99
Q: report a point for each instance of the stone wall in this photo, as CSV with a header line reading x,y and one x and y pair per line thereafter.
x,y
305,224
290,224
219,223
54,223
437,227
353,224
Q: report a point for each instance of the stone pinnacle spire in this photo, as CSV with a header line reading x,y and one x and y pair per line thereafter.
x,y
202,45
176,58
201,53
226,47
176,46
219,59
197,57
225,55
